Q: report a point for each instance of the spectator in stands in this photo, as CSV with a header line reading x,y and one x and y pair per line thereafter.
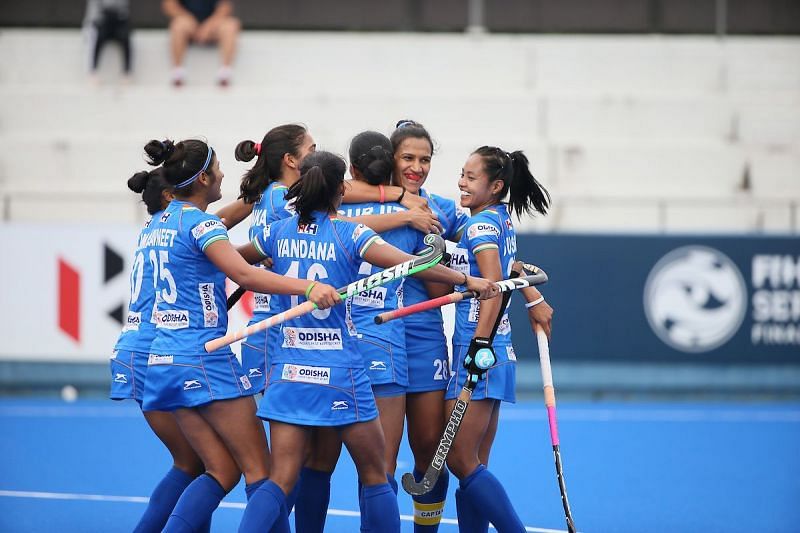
x,y
107,20
201,22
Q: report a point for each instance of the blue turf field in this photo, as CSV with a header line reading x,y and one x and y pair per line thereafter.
x,y
88,466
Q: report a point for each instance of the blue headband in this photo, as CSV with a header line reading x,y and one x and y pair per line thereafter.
x,y
183,184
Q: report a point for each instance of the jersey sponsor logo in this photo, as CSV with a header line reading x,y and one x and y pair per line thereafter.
x,y
261,302
209,304
360,229
307,229
132,322
245,382
177,319
374,298
377,365
459,260
191,384
312,338
321,251
154,359
339,405
379,278
120,378
306,374
510,245
480,229
254,372
512,356
206,227
159,237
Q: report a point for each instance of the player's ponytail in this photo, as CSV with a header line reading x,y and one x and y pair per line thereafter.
x,y
281,140
319,187
371,155
151,185
527,194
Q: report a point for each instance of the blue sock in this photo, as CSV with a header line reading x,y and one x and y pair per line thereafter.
x,y
379,511
392,483
311,507
428,508
266,510
252,487
195,506
162,501
491,501
469,517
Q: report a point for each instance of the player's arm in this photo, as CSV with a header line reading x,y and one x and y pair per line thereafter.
x,y
425,221
385,255
488,260
234,265
539,311
234,212
356,192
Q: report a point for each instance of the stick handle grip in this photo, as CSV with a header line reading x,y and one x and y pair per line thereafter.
x,y
233,336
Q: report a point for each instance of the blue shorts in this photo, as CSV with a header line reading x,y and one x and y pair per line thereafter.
x,y
428,365
255,356
388,390
127,375
175,381
317,396
498,384
385,363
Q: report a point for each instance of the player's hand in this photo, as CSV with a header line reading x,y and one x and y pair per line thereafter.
x,y
424,220
483,287
480,357
324,295
541,314
414,201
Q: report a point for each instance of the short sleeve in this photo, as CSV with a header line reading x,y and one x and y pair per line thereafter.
x,y
263,240
482,234
363,237
207,231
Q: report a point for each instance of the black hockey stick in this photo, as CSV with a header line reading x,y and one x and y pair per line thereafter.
x,y
425,485
235,296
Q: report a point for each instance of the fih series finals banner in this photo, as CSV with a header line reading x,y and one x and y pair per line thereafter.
x,y
668,299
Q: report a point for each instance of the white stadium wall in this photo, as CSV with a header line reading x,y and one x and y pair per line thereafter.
x,y
630,133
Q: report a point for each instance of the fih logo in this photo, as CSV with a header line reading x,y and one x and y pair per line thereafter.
x,y
695,299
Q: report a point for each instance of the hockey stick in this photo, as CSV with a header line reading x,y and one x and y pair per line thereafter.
x,y
235,297
550,403
425,485
423,261
537,278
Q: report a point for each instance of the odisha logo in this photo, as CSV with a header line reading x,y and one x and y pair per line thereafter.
x,y
695,299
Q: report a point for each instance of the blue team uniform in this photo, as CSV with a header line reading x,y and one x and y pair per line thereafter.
x,y
129,359
383,347
489,229
190,310
317,375
272,206
428,366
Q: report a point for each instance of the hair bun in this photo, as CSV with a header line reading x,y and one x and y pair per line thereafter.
x,y
138,182
159,151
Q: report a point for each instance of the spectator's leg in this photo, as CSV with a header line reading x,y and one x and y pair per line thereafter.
x,y
228,36
124,36
181,29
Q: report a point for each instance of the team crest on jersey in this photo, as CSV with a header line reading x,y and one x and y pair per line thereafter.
x,y
207,226
306,374
509,225
209,303
307,229
312,338
481,228
361,228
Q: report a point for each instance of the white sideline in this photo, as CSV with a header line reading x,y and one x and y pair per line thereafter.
x,y
229,505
